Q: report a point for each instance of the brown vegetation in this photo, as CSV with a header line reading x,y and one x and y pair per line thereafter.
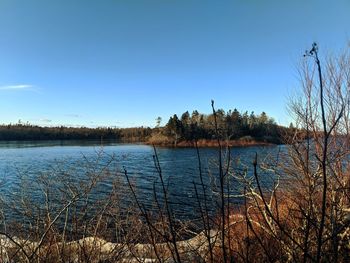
x,y
213,143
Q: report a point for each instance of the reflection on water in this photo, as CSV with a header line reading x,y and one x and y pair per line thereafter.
x,y
179,167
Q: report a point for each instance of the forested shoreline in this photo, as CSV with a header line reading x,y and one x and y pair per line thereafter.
x,y
234,127
34,132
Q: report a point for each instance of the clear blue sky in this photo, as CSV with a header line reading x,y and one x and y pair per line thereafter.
x,y
125,62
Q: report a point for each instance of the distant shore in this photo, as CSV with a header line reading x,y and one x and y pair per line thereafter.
x,y
211,143
166,136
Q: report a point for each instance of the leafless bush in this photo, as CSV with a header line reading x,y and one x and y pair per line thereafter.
x,y
306,217
45,216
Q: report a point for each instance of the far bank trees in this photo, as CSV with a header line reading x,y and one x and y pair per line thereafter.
x,y
232,125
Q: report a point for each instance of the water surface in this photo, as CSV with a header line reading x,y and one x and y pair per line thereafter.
x,y
77,159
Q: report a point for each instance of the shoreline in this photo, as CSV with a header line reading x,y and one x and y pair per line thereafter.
x,y
211,144
202,143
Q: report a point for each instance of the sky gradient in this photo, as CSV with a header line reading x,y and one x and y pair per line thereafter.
x,y
124,62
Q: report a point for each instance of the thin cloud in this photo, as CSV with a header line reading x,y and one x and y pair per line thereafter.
x,y
17,87
45,120
72,115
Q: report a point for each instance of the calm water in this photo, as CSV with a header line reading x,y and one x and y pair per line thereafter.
x,y
77,160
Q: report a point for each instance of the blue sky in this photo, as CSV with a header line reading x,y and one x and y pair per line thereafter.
x,y
125,62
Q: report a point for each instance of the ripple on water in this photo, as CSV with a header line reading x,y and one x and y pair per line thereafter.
x,y
77,162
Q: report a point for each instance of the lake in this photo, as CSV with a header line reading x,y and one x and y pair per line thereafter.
x,y
22,163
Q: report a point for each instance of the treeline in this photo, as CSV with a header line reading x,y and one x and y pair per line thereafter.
x,y
232,125
34,132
